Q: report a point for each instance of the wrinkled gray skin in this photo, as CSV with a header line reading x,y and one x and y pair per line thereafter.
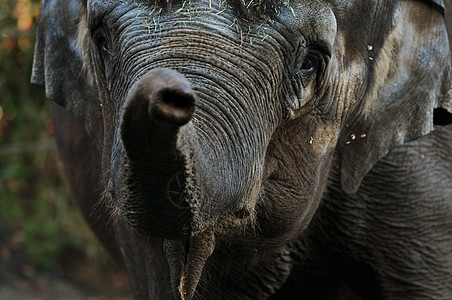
x,y
252,150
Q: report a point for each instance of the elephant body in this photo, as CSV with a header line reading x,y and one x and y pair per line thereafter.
x,y
376,241
258,150
384,240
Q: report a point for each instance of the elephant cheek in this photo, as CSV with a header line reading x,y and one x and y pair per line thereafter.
x,y
296,177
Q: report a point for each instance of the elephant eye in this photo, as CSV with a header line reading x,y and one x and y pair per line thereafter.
x,y
102,43
309,68
104,46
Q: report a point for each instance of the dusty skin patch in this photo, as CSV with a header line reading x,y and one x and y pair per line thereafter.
x,y
384,66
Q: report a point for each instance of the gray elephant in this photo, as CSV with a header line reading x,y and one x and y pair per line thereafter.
x,y
240,149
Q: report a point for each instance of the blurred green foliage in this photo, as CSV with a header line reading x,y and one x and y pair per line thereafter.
x,y
36,214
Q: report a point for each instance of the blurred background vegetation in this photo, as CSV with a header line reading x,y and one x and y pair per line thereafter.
x,y
41,231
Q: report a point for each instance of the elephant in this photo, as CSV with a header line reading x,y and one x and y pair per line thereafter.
x,y
266,149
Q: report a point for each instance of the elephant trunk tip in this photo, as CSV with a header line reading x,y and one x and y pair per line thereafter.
x,y
175,104
160,97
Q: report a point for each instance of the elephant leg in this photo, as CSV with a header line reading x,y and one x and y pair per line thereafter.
x,y
302,285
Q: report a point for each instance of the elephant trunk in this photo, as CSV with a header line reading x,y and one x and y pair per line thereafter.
x,y
154,132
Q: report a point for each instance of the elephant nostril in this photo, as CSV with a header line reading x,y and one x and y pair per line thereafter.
x,y
177,99
176,104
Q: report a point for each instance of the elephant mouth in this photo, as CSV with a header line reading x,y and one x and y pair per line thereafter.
x,y
186,260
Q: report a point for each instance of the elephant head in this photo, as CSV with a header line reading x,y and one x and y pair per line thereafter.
x,y
219,122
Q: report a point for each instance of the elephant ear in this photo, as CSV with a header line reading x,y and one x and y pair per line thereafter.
x,y
59,61
409,89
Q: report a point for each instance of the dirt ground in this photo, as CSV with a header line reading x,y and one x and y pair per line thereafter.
x,y
54,286
48,288
73,277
